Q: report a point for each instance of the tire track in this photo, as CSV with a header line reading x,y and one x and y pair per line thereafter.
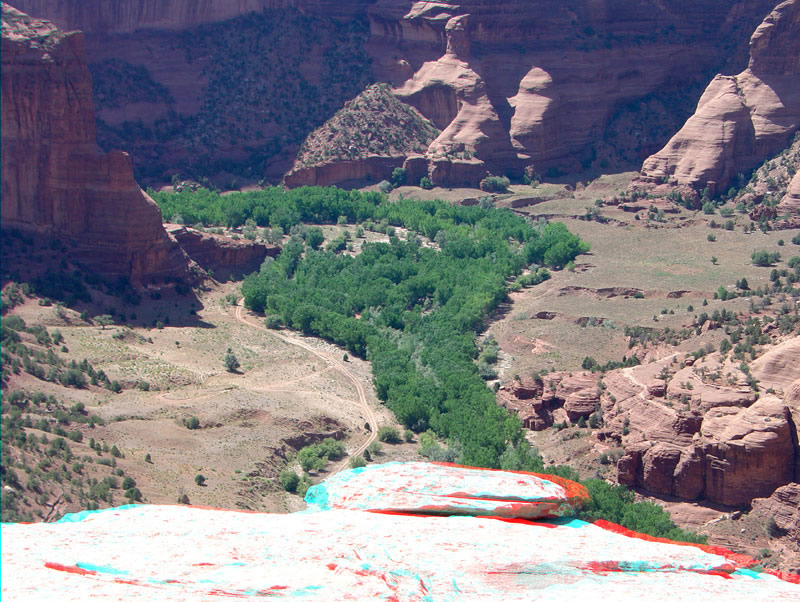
x,y
333,364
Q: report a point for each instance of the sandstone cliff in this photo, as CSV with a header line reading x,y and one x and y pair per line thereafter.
x,y
125,16
509,85
742,119
55,180
684,434
365,140
220,253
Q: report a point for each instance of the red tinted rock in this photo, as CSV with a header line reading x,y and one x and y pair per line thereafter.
x,y
212,252
783,506
749,453
55,180
741,119
658,466
689,475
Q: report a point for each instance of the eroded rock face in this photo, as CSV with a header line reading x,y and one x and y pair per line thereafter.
x,y
790,203
693,429
741,119
534,401
509,85
748,453
55,180
219,253
784,506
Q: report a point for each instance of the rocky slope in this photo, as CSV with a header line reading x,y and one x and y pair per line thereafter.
x,y
686,431
742,119
55,180
510,86
221,254
365,140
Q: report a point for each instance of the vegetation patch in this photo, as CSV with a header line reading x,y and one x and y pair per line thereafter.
x,y
374,123
411,309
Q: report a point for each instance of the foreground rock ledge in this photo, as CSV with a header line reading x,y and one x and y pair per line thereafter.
x,y
186,553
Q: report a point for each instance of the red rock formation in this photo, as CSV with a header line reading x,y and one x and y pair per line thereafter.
x,y
780,366
790,203
511,85
533,401
55,180
743,119
738,454
784,507
218,253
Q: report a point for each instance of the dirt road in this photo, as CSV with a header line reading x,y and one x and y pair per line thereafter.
x,y
333,364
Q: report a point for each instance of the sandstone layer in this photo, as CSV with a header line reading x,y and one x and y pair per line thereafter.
x,y
741,119
685,432
790,203
55,180
220,253
511,86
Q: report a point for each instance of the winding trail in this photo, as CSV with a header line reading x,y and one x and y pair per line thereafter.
x,y
333,364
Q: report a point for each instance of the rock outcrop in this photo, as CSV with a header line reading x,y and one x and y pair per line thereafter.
x,y
686,431
364,141
509,85
220,253
790,203
725,444
741,119
55,180
559,394
784,507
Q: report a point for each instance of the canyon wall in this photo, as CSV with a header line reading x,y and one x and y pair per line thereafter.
x,y
542,86
740,119
55,180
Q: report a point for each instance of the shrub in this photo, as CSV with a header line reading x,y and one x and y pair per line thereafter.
x,y
314,237
231,362
425,183
357,462
389,434
408,435
73,378
495,184
199,480
398,177
764,258
385,186
191,423
289,480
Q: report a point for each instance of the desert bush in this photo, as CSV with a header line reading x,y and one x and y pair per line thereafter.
x,y
389,434
495,184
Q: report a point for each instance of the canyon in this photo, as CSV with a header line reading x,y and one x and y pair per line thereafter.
x,y
321,93
578,81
